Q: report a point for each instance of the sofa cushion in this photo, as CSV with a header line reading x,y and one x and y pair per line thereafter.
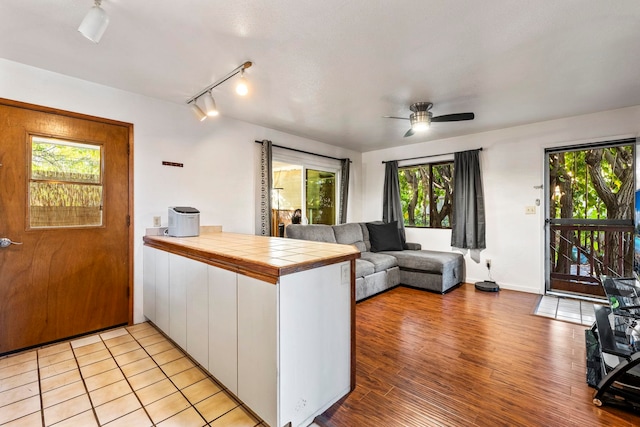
x,y
317,232
427,261
384,237
350,234
380,261
364,268
365,235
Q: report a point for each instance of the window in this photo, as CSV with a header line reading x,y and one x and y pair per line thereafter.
x,y
65,184
426,194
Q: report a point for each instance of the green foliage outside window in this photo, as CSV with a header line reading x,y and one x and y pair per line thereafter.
x,y
592,184
65,185
426,194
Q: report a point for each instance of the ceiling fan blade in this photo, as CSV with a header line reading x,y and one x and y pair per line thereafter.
x,y
454,117
409,133
394,117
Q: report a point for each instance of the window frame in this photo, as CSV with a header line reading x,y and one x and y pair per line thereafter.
x,y
432,202
306,162
33,137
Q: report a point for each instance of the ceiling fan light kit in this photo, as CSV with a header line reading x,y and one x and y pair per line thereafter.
x,y
420,121
421,117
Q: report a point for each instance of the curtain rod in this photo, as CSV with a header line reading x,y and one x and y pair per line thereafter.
x,y
302,151
424,157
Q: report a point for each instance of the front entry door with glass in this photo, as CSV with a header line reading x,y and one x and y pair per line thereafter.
x,y
590,199
65,196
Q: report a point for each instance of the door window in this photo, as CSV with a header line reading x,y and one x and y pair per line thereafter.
x,y
65,184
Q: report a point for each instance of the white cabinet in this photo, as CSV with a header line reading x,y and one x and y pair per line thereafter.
x,y
283,349
223,327
178,299
257,347
149,283
188,306
197,311
155,287
162,291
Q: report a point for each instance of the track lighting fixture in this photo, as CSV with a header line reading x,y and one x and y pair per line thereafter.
x,y
200,115
210,105
209,102
94,23
241,88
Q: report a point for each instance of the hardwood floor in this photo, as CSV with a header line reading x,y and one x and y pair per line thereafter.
x,y
467,358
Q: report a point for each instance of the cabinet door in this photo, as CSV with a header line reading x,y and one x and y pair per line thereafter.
x,y
149,283
223,327
178,300
162,290
197,297
257,347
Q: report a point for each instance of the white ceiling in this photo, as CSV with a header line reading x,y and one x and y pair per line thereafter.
x,y
329,70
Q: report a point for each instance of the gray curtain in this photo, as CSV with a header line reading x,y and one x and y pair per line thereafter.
x,y
344,190
467,219
265,188
391,206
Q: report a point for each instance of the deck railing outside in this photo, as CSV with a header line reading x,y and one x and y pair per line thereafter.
x,y
580,254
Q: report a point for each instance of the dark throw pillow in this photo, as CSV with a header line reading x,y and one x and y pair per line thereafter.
x,y
384,237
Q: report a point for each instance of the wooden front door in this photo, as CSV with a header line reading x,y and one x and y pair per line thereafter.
x,y
65,196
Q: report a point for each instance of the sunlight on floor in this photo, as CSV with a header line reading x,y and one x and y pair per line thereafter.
x,y
566,309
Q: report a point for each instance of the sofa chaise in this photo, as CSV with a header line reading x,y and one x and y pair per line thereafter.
x,y
378,271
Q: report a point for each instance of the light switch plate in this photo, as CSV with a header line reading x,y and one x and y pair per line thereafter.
x,y
530,210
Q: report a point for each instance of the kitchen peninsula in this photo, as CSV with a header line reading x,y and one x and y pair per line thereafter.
x,y
272,319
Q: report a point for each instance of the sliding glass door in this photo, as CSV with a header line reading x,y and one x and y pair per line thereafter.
x,y
309,188
320,196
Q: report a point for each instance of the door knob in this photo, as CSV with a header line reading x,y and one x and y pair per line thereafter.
x,y
4,242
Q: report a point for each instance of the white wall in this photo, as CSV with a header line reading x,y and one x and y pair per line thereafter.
x,y
512,163
218,155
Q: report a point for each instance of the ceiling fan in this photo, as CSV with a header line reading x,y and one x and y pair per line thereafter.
x,y
421,117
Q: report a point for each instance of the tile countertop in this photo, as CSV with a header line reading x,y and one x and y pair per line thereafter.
x,y
262,257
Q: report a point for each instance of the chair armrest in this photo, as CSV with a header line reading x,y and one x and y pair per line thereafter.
x,y
413,246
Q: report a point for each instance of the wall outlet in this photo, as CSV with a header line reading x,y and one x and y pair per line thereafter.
x,y
530,210
488,262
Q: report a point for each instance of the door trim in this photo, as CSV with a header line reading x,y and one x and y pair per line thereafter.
x,y
129,126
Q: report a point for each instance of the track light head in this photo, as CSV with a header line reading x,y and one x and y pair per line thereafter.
x,y
242,88
209,102
94,23
210,105
200,115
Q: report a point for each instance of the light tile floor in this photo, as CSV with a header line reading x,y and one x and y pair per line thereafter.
x,y
567,309
131,376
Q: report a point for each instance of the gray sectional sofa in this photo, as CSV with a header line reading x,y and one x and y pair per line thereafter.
x,y
379,271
